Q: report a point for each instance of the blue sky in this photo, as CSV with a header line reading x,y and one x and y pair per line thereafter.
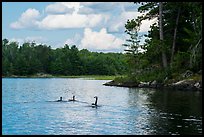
x,y
96,26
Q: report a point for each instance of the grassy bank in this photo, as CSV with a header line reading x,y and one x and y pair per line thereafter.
x,y
94,77
91,77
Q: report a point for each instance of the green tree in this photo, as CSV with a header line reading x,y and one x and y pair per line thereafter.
x,y
30,58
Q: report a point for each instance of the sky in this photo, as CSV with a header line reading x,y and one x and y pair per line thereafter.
x,y
96,26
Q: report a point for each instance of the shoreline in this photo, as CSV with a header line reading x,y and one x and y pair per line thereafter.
x,y
91,77
186,84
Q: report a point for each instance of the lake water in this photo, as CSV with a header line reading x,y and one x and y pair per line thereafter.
x,y
29,107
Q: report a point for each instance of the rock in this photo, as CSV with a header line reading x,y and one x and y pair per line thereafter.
x,y
197,85
119,84
111,83
166,78
187,74
184,84
143,84
153,84
43,75
201,84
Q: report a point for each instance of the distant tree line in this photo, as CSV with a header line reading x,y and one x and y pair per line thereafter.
x,y
30,59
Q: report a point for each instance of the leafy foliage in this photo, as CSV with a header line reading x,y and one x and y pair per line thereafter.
x,y
182,43
30,59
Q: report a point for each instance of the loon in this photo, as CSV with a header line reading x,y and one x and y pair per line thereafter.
x,y
72,99
95,104
60,99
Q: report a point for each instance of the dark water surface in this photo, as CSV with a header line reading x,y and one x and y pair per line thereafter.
x,y
29,107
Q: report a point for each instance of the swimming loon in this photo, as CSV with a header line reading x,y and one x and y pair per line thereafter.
x,y
72,99
60,99
95,104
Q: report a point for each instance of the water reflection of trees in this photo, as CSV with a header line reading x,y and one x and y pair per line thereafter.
x,y
166,109
176,102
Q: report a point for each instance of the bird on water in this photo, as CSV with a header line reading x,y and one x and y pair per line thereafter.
x,y
60,99
95,104
73,99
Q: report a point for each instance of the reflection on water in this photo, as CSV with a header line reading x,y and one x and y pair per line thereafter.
x,y
169,111
29,107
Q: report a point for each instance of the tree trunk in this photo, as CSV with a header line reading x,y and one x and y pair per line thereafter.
x,y
164,59
174,38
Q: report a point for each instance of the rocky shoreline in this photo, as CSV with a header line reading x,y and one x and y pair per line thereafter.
x,y
187,84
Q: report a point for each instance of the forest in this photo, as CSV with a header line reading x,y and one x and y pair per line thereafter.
x,y
29,59
172,46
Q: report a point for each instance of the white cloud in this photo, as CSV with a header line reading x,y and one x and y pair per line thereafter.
x,y
74,20
145,26
130,14
117,24
129,6
58,8
18,40
86,10
63,7
99,7
59,17
75,5
73,41
71,21
100,40
27,19
88,15
36,39
63,15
